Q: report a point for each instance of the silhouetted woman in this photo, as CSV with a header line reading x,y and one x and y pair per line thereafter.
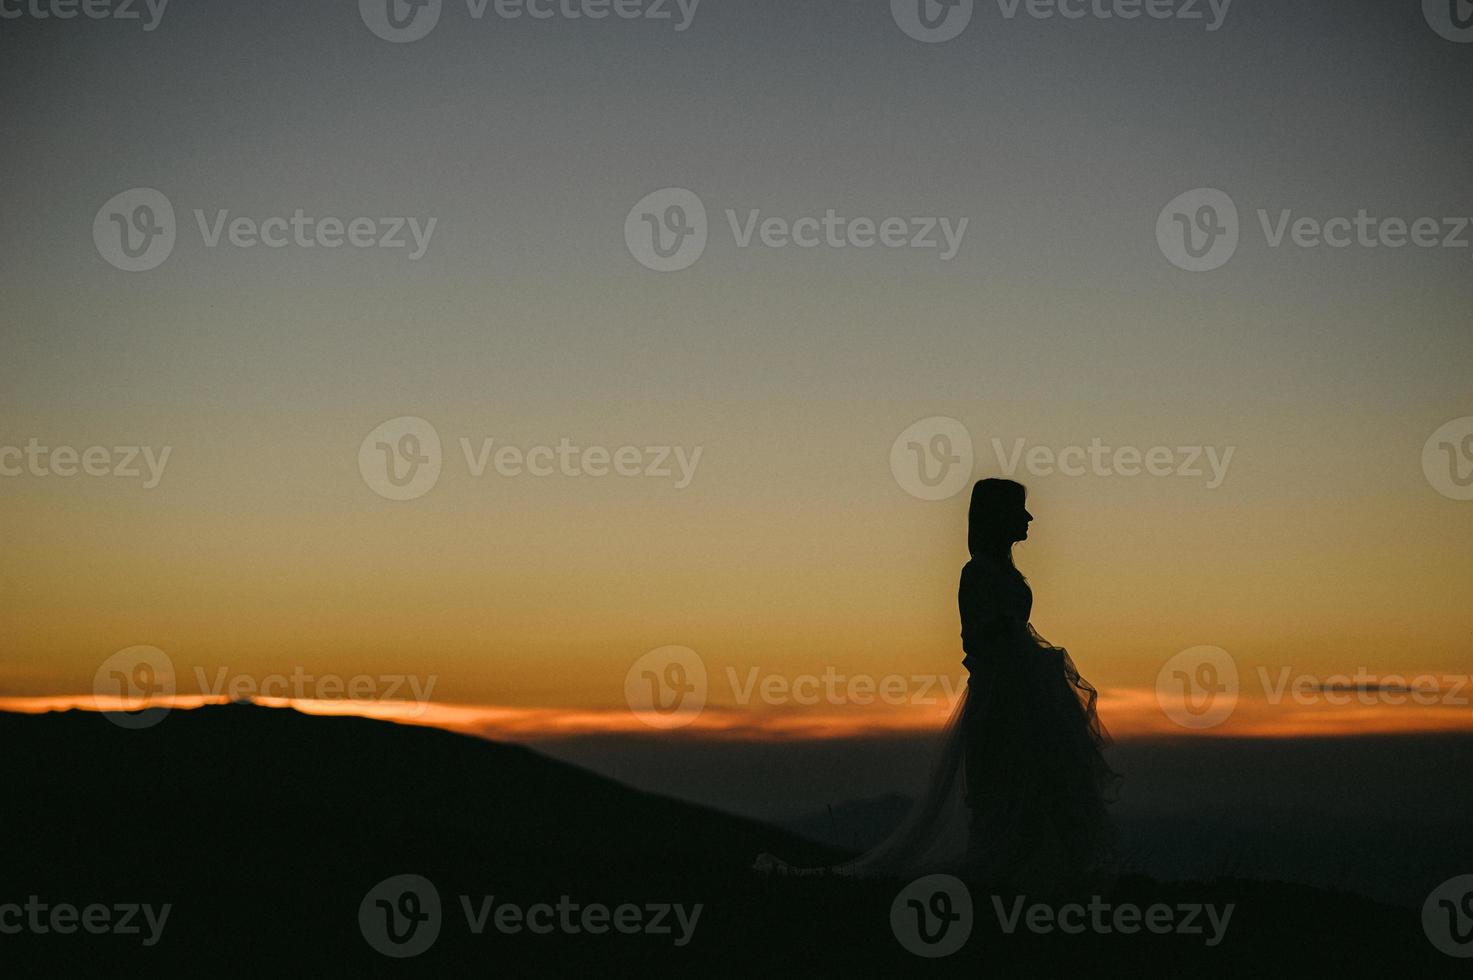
x,y
1034,775
1016,799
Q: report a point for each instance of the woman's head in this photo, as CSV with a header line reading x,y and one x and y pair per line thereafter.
x,y
997,518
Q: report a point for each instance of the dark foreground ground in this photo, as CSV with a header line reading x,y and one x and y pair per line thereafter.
x,y
266,832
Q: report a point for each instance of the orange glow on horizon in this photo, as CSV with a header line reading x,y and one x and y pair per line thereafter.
x,y
1129,713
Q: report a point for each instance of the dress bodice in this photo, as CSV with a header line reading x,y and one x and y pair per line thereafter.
x,y
992,597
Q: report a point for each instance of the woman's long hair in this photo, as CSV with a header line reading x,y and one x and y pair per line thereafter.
x,y
993,501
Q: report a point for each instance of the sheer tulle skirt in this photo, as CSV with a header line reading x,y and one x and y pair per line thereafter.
x,y
1017,794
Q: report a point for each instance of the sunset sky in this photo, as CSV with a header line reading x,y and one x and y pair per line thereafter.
x,y
793,549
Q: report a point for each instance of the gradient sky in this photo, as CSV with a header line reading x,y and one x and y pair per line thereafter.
x,y
794,549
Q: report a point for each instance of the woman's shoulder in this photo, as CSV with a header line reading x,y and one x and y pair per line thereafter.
x,y
984,569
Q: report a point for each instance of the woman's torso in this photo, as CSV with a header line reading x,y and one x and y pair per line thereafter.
x,y
993,599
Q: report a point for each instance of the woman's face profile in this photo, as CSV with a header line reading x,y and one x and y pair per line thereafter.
x,y
1016,524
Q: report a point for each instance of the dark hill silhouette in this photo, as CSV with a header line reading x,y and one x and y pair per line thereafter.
x,y
266,828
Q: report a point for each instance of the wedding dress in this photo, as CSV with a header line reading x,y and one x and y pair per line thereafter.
x,y
1017,794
